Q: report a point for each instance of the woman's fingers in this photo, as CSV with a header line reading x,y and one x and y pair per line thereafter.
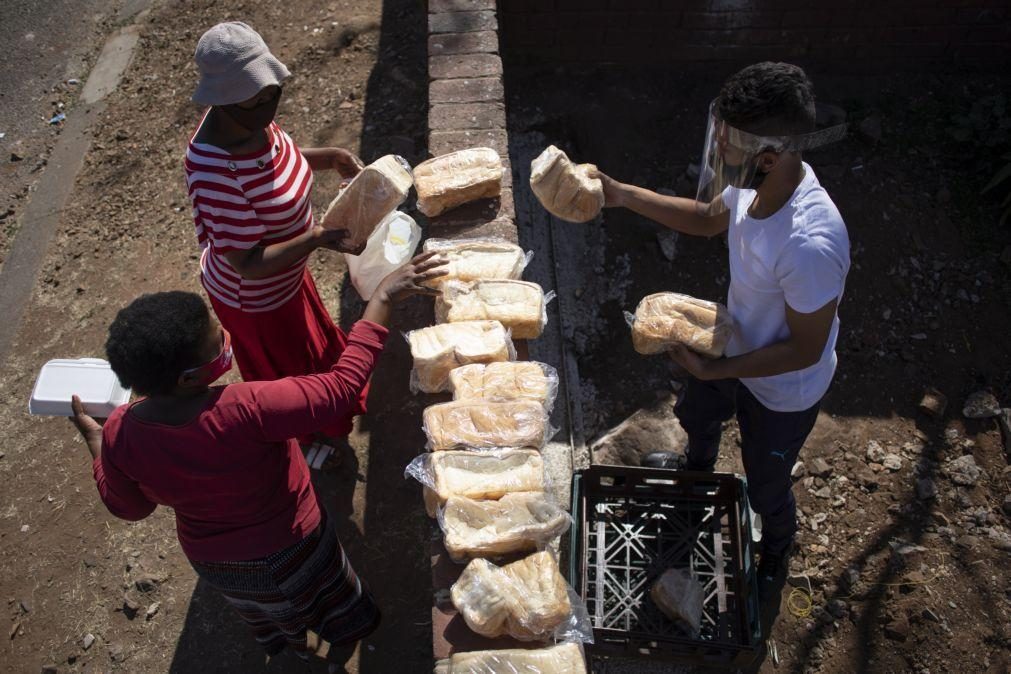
x,y
430,264
429,275
418,259
422,290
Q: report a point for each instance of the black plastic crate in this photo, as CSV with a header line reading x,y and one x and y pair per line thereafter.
x,y
632,524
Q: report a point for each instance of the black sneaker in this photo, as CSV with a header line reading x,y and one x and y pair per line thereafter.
x,y
772,573
665,460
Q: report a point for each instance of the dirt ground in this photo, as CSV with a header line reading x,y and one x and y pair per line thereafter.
x,y
69,568
902,581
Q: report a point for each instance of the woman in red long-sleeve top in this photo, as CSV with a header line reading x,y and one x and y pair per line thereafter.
x,y
226,460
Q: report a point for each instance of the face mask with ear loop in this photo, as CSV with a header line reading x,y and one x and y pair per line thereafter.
x,y
730,157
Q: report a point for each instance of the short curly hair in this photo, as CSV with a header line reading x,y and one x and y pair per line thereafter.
x,y
769,99
155,338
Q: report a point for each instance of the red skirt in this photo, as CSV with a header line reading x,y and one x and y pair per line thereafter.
x,y
296,338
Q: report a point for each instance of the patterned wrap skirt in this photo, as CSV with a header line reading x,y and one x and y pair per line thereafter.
x,y
306,596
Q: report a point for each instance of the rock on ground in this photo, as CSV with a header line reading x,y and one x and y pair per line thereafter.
x,y
981,405
648,430
964,470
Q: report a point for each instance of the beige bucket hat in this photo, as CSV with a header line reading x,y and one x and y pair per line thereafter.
x,y
235,64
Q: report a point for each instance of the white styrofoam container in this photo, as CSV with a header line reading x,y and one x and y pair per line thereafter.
x,y
92,379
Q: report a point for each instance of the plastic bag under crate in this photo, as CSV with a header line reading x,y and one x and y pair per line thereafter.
x,y
632,524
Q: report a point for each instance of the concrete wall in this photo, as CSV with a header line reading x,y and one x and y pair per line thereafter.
x,y
854,32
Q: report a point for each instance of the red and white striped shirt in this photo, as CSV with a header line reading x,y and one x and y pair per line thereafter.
x,y
242,201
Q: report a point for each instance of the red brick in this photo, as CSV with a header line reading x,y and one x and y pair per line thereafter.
x,y
478,227
656,22
635,5
485,41
477,212
464,65
444,142
461,22
997,33
437,6
581,5
806,18
620,37
725,20
510,41
923,35
525,6
459,116
981,16
478,89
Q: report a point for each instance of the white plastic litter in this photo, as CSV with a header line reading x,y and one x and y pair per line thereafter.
x,y
92,379
679,597
390,246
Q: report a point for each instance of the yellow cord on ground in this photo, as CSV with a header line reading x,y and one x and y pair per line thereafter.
x,y
799,602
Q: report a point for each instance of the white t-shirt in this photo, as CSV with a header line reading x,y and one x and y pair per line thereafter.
x,y
798,256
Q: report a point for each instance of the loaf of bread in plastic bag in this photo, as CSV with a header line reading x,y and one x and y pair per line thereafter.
x,y
564,658
486,425
517,522
477,475
665,319
510,380
439,349
456,178
526,599
476,259
518,305
378,189
565,189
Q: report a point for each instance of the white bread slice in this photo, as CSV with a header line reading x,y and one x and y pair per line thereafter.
x,y
518,305
371,195
485,425
517,522
565,189
511,380
441,348
456,178
485,598
665,319
564,658
477,259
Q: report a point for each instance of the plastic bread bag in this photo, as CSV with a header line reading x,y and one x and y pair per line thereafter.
x,y
378,189
663,320
439,349
449,180
486,425
476,475
680,598
566,190
521,306
563,658
506,381
391,245
517,522
479,258
527,600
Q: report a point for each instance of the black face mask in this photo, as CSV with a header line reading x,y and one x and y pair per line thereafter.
x,y
257,118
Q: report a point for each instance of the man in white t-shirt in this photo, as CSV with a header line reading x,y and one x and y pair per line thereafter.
x,y
789,256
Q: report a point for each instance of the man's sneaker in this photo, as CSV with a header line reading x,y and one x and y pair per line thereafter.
x,y
665,460
772,573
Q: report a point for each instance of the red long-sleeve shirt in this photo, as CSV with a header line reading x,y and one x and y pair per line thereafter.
x,y
234,474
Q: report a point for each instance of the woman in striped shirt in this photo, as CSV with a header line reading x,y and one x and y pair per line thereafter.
x,y
249,185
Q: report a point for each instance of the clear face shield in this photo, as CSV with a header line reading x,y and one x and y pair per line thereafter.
x,y
730,157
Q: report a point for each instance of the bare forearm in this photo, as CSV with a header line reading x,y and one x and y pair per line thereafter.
x,y
676,213
264,261
778,358
379,309
319,158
